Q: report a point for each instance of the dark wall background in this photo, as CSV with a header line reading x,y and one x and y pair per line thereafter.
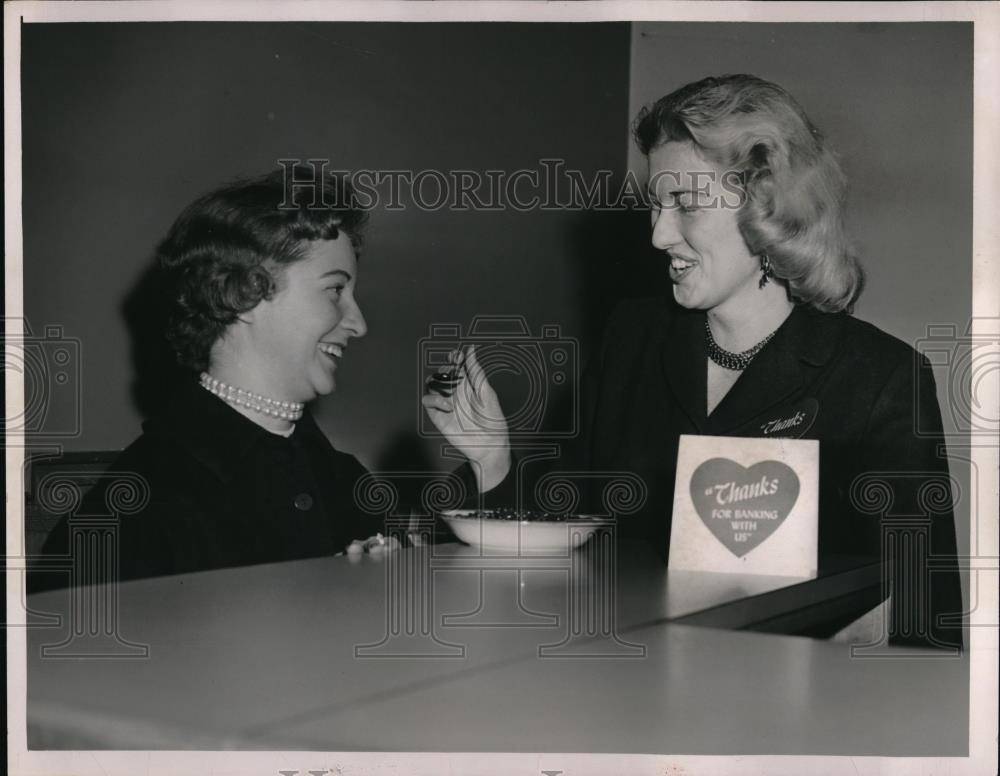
x,y
124,124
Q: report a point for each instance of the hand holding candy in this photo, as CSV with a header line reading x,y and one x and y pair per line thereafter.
x,y
464,407
373,545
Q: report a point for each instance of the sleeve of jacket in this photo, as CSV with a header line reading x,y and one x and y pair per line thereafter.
x,y
905,456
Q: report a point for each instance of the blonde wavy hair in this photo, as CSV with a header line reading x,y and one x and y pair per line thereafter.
x,y
792,183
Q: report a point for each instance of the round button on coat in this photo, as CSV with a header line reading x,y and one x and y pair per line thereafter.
x,y
303,502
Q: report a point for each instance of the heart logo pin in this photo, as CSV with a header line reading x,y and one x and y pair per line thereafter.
x,y
743,506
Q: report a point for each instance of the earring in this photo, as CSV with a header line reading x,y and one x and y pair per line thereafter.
x,y
765,270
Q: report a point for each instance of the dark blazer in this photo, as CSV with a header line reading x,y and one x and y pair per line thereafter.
x,y
862,393
222,491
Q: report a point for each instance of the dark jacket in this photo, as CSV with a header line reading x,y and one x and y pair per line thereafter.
x,y
862,393
222,491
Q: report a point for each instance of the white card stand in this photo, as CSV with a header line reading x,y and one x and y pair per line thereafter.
x,y
746,505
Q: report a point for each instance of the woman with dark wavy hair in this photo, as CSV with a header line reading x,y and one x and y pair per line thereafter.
x,y
260,280
757,341
259,283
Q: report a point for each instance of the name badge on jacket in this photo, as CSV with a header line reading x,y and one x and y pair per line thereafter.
x,y
746,505
791,423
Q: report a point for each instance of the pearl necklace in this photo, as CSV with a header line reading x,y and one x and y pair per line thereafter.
x,y
286,410
734,361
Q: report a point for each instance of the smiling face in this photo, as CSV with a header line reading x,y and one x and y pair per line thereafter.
x,y
694,214
292,343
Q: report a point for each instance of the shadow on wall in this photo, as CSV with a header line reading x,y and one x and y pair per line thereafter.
x,y
155,372
617,262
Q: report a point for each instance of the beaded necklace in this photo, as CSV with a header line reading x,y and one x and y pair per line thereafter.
x,y
734,361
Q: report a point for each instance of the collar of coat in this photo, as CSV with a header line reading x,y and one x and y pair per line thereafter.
x,y
216,434
804,343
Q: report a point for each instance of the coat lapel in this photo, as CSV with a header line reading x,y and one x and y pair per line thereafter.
x,y
788,362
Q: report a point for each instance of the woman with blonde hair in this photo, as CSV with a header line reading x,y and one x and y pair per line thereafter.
x,y
758,341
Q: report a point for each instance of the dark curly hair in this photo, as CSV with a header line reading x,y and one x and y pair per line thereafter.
x,y
219,259
793,183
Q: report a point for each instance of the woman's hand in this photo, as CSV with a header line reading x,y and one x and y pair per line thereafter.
x,y
468,413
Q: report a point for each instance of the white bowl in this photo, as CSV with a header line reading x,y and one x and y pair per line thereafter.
x,y
520,537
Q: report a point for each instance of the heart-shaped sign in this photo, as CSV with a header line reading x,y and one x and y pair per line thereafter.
x,y
743,506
